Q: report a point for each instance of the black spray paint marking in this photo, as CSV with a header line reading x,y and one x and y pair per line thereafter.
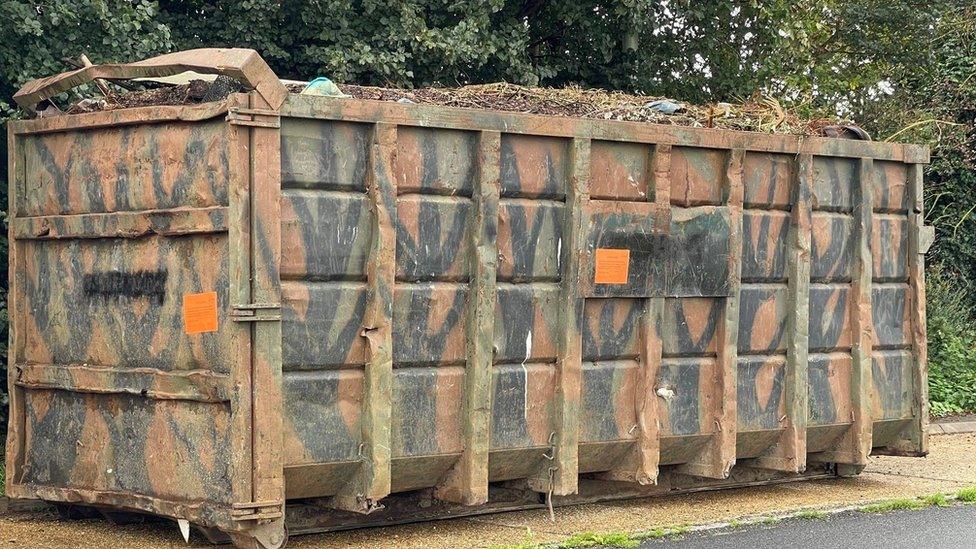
x,y
111,285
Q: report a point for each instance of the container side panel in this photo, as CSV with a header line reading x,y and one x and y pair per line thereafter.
x,y
321,325
891,310
829,389
431,235
429,324
697,176
607,411
764,243
891,187
830,247
322,416
762,318
170,449
893,385
693,384
689,326
427,411
324,235
324,155
766,182
833,180
534,167
435,161
889,247
830,326
119,302
522,413
610,328
125,169
760,392
619,171
526,319
529,240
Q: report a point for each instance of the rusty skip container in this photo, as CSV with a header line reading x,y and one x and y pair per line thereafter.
x,y
380,312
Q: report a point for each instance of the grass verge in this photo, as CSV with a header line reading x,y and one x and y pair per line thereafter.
x,y
967,495
894,505
812,514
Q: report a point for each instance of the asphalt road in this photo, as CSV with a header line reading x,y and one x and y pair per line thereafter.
x,y
930,527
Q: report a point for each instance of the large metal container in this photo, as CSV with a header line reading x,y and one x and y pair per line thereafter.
x,y
356,305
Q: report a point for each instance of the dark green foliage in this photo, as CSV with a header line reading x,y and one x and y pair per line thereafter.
x,y
952,353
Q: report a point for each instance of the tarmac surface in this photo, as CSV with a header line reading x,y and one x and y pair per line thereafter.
x,y
931,527
950,466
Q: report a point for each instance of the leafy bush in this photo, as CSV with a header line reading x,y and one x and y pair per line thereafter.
x,y
952,344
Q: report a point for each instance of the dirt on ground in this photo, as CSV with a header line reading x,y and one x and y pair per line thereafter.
x,y
949,467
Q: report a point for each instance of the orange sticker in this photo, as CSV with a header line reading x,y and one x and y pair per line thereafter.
x,y
612,266
200,313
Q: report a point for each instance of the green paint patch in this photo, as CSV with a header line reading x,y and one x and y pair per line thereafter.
x,y
894,505
812,514
967,495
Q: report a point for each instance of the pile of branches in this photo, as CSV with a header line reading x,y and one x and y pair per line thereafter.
x,y
760,114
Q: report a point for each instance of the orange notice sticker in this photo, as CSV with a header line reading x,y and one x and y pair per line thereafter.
x,y
200,313
612,266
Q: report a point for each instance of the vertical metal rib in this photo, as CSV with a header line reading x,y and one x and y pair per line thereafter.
x,y
718,457
854,449
648,420
239,252
915,440
467,483
266,434
373,479
790,452
561,474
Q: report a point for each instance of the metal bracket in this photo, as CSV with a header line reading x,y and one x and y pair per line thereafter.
x,y
258,510
256,312
258,118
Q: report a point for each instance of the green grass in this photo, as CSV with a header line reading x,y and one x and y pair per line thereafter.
x,y
937,500
589,539
769,521
2,476
812,514
967,495
894,505
735,523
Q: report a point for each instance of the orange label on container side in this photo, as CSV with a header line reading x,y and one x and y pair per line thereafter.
x,y
612,266
200,313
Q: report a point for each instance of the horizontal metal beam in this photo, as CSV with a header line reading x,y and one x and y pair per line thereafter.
x,y
181,221
120,117
198,385
436,116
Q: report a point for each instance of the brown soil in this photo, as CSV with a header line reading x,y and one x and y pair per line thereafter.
x,y
954,418
948,468
759,114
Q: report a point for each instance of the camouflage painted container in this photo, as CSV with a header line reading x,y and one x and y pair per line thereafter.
x,y
360,305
